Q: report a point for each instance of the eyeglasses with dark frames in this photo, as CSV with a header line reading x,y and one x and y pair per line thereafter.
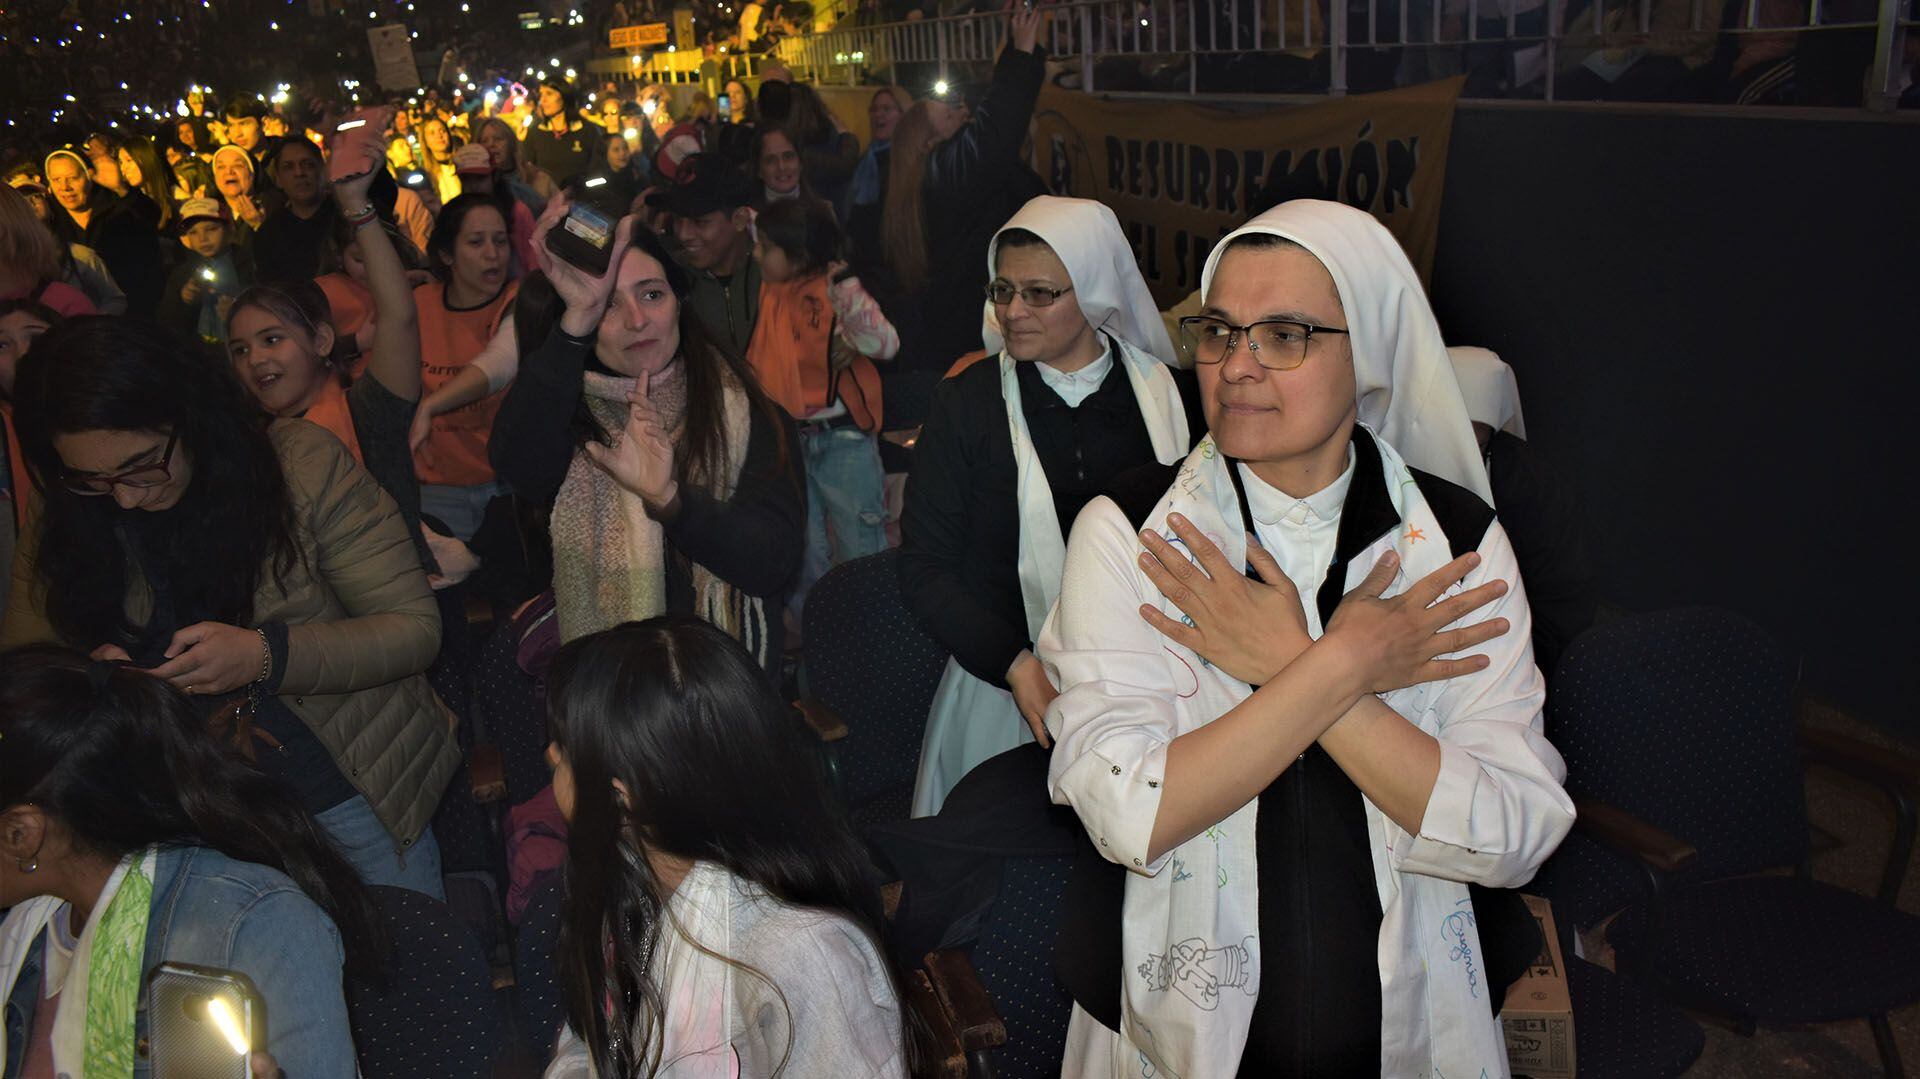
x,y
1002,293
140,476
1275,344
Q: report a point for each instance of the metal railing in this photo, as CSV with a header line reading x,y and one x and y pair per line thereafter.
x,y
1540,38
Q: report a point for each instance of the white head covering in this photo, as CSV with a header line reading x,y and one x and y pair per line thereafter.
x,y
1106,280
1406,389
1486,382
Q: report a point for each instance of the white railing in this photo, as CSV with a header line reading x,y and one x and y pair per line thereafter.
x,y
1192,31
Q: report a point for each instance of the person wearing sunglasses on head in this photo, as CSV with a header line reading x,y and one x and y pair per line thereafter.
x,y
248,561
1083,389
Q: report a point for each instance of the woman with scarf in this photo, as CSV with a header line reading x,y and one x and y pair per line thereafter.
x,y
129,837
721,916
675,481
249,562
1083,389
1301,808
89,214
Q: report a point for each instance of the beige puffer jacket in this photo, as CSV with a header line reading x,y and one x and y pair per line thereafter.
x,y
362,625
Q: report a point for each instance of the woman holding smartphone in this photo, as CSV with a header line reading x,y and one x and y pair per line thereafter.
x,y
129,838
248,561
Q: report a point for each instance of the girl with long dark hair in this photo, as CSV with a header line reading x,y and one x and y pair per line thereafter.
x,y
143,170
130,837
251,563
720,912
674,480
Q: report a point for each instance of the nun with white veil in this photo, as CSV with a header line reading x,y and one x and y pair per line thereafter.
x,y
1079,387
1299,715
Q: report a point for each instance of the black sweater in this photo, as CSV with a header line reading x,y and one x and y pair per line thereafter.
x,y
960,532
753,540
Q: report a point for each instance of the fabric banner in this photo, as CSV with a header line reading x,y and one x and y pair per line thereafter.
x,y
1180,176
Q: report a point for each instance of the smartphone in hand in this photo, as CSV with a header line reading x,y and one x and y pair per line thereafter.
x,y
203,1023
585,236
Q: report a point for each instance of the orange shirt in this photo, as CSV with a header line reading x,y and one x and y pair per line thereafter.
x,y
352,308
331,411
455,454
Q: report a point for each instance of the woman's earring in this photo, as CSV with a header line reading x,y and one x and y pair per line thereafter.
x,y
27,866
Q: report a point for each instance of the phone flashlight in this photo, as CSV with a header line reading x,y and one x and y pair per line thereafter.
x,y
649,106
631,133
222,1015
207,274
597,181
350,125
415,179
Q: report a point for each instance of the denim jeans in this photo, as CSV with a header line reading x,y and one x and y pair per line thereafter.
x,y
368,847
846,502
459,508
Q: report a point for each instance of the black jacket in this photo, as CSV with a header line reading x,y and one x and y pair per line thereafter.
x,y
974,182
960,532
128,245
288,246
752,540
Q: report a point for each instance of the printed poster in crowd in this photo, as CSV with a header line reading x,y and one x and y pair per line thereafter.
x,y
393,63
1180,176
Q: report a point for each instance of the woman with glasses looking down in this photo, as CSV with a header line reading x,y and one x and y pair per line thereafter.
x,y
248,561
1083,389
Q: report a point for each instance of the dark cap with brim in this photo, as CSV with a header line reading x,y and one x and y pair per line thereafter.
x,y
708,183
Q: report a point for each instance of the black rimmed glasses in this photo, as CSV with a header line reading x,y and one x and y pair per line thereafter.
x,y
1275,344
1002,293
141,476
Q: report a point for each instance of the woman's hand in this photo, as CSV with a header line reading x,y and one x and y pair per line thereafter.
x,y
1023,31
642,462
1249,629
1395,641
1032,691
212,658
421,428
263,1066
245,209
584,294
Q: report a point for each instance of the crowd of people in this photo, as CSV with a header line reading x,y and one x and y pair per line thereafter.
x,y
284,399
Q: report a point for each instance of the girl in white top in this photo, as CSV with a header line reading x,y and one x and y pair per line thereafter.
x,y
1313,322
721,918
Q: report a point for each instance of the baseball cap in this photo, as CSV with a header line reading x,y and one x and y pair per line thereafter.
x,y
472,160
707,182
681,144
200,210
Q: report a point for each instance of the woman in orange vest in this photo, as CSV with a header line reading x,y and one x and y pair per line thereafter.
x,y
291,356
471,251
813,349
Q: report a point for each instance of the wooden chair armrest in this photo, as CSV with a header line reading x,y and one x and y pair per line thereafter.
x,y
826,726
1887,766
966,1000
487,773
1628,834
941,1055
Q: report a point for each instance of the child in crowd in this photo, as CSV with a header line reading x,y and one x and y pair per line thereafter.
x,y
203,285
813,349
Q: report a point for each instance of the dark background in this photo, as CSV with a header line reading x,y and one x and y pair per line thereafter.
x,y
1713,321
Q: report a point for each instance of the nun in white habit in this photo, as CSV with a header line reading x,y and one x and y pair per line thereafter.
x,y
1301,799
1078,386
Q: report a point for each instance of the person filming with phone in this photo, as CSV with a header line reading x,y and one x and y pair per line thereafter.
x,y
130,838
675,481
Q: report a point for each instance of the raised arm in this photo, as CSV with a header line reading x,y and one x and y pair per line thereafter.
x,y
396,335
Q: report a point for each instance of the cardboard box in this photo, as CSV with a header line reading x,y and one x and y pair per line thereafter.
x,y
1538,1014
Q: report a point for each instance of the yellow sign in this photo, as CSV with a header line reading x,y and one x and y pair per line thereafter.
x,y
645,36
1181,176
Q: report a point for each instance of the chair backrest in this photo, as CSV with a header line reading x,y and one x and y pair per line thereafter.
x,y
435,1013
868,660
1685,718
536,980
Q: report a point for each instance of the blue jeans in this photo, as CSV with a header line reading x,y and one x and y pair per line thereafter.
x,y
846,502
368,847
459,508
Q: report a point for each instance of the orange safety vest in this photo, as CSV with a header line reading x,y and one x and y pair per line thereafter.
x,y
455,454
791,354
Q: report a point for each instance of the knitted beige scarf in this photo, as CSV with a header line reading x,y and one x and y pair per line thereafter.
x,y
609,556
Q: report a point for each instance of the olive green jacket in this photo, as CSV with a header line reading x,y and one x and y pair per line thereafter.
x,y
362,624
